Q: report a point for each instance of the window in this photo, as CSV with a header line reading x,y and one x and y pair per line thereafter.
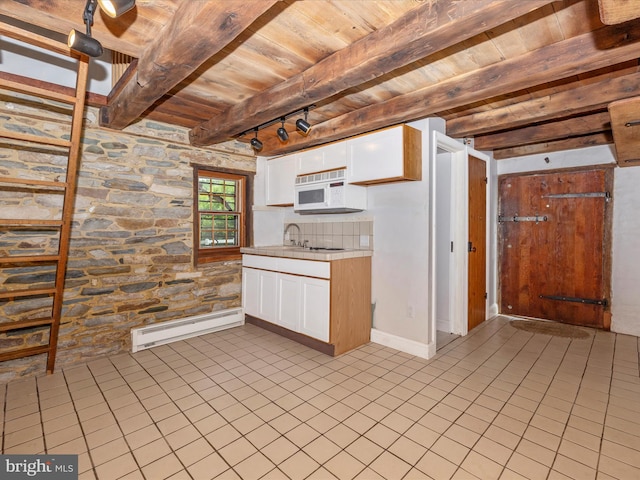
x,y
220,220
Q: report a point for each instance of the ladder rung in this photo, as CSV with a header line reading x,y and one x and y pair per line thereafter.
x,y
34,322
35,39
33,182
30,259
28,293
27,137
25,352
37,91
29,222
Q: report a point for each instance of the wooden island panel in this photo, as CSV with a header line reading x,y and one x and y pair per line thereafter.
x,y
350,312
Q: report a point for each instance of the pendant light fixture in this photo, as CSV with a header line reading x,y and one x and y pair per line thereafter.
x,y
303,126
84,42
282,133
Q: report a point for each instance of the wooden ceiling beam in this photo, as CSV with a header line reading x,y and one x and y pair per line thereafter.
x,y
590,51
195,33
625,123
603,138
570,102
618,11
571,127
425,30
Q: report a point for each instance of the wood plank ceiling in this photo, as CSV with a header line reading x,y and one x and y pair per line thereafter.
x,y
519,77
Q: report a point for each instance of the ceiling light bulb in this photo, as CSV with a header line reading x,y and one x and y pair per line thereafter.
x,y
115,8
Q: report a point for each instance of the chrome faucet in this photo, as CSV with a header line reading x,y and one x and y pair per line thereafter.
x,y
286,230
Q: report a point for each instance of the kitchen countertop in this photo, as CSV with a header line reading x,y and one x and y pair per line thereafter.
x,y
305,253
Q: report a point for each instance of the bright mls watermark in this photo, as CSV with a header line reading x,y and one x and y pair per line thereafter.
x,y
46,467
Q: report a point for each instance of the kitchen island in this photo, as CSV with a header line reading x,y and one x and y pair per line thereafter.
x,y
320,298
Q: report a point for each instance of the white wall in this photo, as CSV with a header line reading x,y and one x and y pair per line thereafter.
x,y
625,301
23,59
443,241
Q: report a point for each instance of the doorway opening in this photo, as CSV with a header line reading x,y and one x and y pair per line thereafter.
x,y
449,238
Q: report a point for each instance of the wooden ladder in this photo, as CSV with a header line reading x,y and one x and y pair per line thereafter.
x,y
67,188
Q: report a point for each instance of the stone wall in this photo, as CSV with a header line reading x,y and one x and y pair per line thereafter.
x,y
131,260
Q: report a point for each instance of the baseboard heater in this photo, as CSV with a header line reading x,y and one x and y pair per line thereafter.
x,y
174,330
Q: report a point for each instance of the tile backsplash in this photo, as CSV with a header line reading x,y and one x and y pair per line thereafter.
x,y
332,234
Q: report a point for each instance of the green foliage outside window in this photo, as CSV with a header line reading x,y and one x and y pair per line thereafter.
x,y
219,217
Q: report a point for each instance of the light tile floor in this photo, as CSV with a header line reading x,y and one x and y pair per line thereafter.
x,y
444,338
245,403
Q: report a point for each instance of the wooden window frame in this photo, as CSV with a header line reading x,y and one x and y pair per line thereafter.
x,y
203,256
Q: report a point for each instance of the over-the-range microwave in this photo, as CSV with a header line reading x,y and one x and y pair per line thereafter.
x,y
328,192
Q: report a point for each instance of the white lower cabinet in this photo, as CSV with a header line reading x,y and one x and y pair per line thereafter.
x,y
259,293
295,302
268,289
314,308
288,302
251,291
322,304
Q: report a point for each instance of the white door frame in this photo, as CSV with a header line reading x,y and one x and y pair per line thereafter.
x,y
459,261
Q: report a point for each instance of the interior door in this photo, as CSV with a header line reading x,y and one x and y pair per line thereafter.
x,y
552,231
477,248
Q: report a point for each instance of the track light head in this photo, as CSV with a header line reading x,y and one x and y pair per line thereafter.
x,y
82,43
282,133
255,143
115,8
303,126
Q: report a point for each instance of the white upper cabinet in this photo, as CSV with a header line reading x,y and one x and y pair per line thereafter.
x,y
280,180
320,159
385,156
390,155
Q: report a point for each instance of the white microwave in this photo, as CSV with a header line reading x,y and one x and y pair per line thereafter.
x,y
328,192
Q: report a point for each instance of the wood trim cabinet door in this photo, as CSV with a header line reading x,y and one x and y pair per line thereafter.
x,y
553,248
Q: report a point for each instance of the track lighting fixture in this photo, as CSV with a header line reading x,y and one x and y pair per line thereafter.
x,y
255,143
85,43
282,133
303,126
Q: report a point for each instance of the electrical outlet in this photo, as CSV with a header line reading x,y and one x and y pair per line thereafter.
x,y
364,240
410,313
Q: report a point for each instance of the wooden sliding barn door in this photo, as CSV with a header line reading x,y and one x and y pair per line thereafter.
x,y
553,258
